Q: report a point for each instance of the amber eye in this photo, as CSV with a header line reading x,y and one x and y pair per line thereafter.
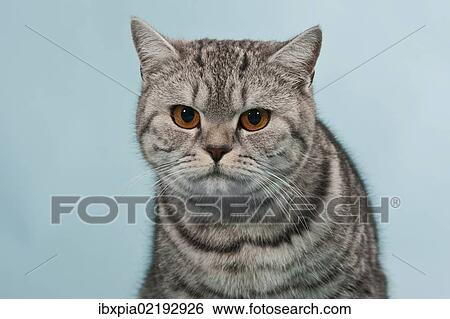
x,y
185,117
254,119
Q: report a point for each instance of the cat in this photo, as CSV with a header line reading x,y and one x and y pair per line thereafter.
x,y
221,118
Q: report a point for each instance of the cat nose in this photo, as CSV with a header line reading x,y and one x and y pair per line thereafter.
x,y
217,151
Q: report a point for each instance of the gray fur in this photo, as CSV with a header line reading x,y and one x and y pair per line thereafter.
x,y
294,156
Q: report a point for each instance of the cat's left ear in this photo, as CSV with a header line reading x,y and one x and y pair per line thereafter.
x,y
153,49
300,54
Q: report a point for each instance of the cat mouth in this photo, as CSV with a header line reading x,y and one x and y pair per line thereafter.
x,y
218,172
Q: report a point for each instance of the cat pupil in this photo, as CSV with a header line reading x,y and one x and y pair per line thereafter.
x,y
187,114
254,117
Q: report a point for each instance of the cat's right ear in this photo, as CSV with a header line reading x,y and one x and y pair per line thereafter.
x,y
152,48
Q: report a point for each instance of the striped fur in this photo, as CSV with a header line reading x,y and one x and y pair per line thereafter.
x,y
295,156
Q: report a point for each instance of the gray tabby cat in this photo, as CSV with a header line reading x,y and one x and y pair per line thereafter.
x,y
238,118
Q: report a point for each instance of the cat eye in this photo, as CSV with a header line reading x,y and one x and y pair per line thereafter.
x,y
185,117
254,119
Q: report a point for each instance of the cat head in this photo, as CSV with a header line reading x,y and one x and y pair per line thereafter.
x,y
223,116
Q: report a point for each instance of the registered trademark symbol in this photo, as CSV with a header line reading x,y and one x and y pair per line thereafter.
x,y
395,202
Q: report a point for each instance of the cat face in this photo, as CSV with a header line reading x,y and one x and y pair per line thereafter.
x,y
225,117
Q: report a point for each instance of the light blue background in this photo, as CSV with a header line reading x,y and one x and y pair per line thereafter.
x,y
66,129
